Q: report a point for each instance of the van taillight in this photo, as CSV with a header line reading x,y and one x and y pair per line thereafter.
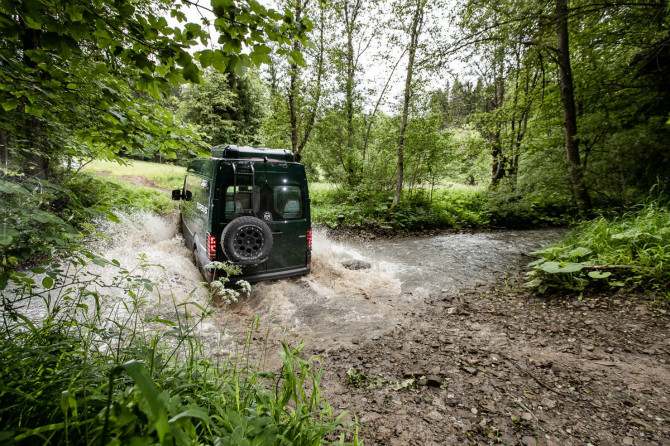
x,y
309,240
211,247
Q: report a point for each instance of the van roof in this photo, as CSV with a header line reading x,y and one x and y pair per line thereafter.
x,y
244,152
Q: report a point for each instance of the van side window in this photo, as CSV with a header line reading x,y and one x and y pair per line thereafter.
x,y
288,202
199,188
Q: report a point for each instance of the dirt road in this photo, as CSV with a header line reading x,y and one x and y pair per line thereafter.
x,y
480,365
494,366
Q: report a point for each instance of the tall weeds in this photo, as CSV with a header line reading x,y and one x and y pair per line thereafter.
x,y
82,367
631,250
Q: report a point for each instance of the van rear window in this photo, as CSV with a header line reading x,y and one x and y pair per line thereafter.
x,y
269,203
288,202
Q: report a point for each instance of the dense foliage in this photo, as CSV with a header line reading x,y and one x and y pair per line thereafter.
x,y
83,79
419,114
98,370
630,250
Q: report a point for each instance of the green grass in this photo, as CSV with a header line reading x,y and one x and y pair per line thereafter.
x,y
104,190
167,176
450,207
631,250
42,219
80,377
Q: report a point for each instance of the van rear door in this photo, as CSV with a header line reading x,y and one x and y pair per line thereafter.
x,y
241,195
287,215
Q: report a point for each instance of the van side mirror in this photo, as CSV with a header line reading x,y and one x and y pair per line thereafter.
x,y
188,195
176,194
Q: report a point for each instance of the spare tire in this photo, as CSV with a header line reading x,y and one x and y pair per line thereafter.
x,y
246,240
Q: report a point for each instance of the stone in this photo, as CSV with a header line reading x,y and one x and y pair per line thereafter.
x,y
434,381
548,403
529,441
356,265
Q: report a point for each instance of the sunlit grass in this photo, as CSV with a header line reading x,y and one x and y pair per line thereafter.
x,y
315,187
460,188
167,176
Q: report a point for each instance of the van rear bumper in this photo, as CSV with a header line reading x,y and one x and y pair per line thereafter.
x,y
274,275
281,274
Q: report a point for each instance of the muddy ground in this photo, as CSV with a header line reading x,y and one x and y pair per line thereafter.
x,y
497,366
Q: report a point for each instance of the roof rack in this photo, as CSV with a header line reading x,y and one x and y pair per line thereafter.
x,y
252,153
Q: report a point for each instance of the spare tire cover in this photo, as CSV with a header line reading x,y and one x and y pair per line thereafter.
x,y
247,240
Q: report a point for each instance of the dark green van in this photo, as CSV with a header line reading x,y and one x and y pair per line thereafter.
x,y
249,207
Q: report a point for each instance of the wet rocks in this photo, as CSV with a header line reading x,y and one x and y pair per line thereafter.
x,y
356,265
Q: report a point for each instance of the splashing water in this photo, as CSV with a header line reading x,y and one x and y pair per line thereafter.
x,y
331,302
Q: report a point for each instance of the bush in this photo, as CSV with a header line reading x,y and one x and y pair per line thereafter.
x,y
510,208
447,209
631,250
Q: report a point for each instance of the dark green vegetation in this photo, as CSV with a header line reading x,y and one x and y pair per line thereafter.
x,y
43,219
631,250
81,81
88,373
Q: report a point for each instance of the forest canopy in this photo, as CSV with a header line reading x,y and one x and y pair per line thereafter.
x,y
548,104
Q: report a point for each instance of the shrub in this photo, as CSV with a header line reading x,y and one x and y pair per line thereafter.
x,y
631,250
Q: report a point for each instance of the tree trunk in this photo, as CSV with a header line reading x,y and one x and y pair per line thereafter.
x,y
579,191
415,31
3,145
317,95
349,87
293,87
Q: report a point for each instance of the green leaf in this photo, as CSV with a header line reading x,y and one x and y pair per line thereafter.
x,y
534,283
599,275
191,73
205,57
557,268
580,252
9,104
6,239
192,413
295,57
156,407
47,282
112,217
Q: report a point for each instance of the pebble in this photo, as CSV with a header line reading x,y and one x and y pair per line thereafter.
x,y
529,441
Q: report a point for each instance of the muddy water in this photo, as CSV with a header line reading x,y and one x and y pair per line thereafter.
x,y
449,262
332,303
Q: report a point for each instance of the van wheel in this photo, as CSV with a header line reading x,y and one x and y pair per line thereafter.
x,y
247,240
